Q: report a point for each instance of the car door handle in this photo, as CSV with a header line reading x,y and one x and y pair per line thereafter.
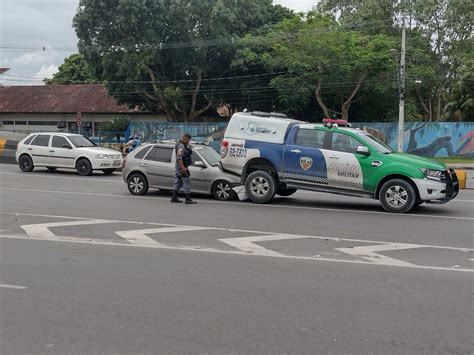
x,y
296,151
30,148
333,157
51,151
145,165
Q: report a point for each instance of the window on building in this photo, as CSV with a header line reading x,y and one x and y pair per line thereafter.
x,y
8,122
43,123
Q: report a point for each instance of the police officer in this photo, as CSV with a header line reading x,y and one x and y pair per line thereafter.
x,y
183,178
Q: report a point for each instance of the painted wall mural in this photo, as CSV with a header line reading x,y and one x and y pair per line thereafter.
x,y
429,139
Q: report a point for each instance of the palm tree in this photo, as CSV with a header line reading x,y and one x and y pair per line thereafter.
x,y
116,127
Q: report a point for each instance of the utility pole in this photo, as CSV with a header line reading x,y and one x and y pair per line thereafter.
x,y
401,109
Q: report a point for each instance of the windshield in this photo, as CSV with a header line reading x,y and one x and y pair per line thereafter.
x,y
375,143
81,141
210,155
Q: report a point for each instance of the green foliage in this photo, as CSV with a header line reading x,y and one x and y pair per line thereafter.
x,y
74,70
118,124
159,53
323,61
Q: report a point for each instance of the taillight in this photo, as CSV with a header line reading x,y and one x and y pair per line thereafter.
x,y
224,148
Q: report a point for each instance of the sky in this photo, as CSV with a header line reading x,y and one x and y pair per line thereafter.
x,y
30,25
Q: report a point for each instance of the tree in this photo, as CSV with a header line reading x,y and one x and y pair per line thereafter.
x,y
74,70
117,126
439,38
321,60
166,54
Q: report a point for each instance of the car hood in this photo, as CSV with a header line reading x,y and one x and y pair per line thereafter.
x,y
416,160
98,150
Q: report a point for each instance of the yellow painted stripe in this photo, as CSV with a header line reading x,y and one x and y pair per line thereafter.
x,y
461,174
2,143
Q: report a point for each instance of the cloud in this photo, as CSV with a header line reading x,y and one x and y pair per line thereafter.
x,y
298,5
47,71
38,57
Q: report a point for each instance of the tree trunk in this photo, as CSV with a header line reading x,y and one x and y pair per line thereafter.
x,y
438,103
317,93
158,92
346,105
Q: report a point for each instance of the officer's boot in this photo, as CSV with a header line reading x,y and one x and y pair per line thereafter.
x,y
175,198
188,200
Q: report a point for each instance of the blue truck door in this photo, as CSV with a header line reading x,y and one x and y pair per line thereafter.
x,y
304,161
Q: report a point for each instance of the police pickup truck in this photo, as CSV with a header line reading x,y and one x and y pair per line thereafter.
x,y
277,155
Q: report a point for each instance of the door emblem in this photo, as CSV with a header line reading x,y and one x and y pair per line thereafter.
x,y
306,163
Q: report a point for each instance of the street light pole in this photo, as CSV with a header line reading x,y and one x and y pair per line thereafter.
x,y
401,108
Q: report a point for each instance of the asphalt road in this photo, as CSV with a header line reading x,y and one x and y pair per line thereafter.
x,y
86,268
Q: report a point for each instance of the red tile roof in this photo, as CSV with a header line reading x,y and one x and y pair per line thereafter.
x,y
89,98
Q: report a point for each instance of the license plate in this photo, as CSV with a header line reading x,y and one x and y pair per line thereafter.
x,y
117,162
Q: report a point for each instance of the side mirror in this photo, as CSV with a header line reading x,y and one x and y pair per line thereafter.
x,y
67,146
200,164
363,150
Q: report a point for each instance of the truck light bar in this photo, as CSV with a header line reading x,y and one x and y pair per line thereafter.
x,y
331,122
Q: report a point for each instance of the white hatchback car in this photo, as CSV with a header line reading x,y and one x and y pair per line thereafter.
x,y
65,150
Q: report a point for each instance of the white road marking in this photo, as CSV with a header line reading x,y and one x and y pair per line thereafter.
x,y
15,287
253,205
42,231
140,236
370,253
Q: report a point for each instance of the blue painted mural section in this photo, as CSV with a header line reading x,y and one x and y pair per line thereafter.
x,y
430,139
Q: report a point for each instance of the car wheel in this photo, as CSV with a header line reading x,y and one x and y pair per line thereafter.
x,y
26,163
84,167
397,196
260,186
50,168
137,184
285,192
108,171
222,190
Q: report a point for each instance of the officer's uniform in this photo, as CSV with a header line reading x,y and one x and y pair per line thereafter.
x,y
183,153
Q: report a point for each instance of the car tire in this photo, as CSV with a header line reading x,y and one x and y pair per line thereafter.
x,y
260,186
285,192
222,190
50,168
84,167
397,196
26,163
108,171
137,184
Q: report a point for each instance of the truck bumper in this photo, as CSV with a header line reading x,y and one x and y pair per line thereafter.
x,y
439,191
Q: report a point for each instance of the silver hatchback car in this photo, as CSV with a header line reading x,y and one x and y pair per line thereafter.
x,y
152,166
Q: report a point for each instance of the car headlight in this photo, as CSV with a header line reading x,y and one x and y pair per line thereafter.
x,y
433,174
102,156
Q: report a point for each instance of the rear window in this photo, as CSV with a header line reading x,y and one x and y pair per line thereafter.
x,y
159,154
310,138
141,154
41,140
29,139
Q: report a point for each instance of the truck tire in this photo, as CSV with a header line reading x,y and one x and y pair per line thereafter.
x,y
285,192
397,196
260,186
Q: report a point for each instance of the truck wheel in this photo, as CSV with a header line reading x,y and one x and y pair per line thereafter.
x,y
285,192
260,186
397,196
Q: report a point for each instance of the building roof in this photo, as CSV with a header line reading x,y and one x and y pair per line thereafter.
x,y
88,98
